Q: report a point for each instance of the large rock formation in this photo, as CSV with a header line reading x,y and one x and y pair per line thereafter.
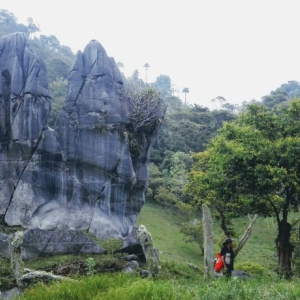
x,y
81,175
24,107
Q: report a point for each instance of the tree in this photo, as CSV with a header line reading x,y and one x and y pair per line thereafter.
x,y
58,90
275,99
32,27
135,75
230,107
185,91
253,166
146,66
220,100
155,181
193,230
174,104
163,85
292,89
9,23
51,42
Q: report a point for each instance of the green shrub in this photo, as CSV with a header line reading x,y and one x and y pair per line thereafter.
x,y
251,268
90,263
111,245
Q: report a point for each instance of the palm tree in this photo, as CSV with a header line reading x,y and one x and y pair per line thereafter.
x,y
185,90
146,66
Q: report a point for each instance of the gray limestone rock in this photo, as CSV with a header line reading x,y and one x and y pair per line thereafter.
x,y
24,107
132,264
151,253
39,243
131,267
81,175
131,257
11,294
145,273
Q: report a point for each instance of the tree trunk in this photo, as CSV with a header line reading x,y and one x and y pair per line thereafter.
x,y
223,224
285,250
245,236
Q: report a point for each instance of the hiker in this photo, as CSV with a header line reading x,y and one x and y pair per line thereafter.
x,y
227,257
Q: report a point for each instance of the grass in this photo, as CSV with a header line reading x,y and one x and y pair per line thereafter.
x,y
164,228
66,265
125,287
176,280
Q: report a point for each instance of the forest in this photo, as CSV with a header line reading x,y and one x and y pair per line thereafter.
x,y
237,159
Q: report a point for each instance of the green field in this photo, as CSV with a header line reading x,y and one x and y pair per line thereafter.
x,y
165,231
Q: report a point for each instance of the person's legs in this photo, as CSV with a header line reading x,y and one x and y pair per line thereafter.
x,y
228,271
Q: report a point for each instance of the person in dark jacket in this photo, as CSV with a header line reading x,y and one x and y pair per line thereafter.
x,y
227,257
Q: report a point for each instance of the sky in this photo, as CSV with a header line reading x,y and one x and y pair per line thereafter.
x,y
238,49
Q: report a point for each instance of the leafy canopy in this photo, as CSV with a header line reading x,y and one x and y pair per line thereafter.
x,y
252,165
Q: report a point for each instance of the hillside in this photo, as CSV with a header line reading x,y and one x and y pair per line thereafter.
x,y
164,228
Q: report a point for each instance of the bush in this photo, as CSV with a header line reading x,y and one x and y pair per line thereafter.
x,y
251,268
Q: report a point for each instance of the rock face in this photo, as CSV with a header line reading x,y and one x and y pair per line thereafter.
x,y
39,243
24,107
81,175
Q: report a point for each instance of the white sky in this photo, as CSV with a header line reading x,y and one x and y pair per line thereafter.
x,y
237,49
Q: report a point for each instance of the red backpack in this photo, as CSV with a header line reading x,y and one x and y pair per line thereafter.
x,y
218,263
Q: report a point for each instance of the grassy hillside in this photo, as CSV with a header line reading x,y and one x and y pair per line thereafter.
x,y
164,229
176,280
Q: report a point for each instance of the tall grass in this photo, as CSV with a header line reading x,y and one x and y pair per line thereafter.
x,y
125,287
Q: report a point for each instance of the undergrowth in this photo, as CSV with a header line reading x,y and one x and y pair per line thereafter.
x,y
65,265
129,287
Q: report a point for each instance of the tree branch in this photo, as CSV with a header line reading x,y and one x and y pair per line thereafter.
x,y
246,236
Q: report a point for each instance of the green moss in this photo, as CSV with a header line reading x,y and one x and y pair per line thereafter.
x,y
73,265
111,245
101,128
10,229
7,279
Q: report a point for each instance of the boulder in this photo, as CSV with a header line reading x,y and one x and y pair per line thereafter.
x,y
151,253
39,243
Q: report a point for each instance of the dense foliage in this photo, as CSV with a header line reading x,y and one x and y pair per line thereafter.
x,y
253,166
